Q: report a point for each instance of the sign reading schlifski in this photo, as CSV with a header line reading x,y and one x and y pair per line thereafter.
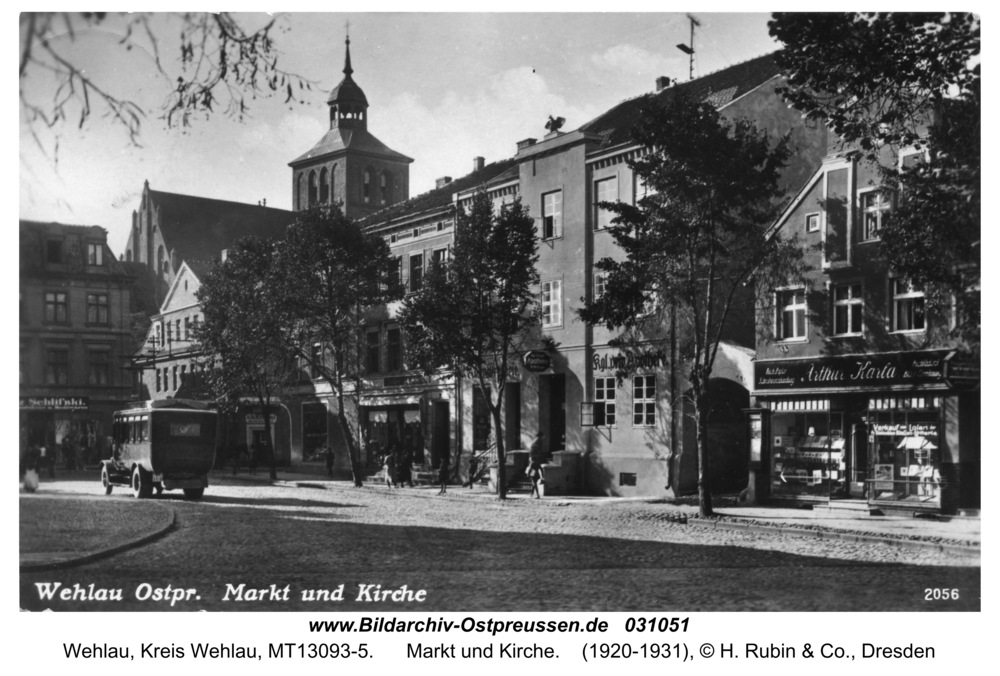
x,y
54,403
858,371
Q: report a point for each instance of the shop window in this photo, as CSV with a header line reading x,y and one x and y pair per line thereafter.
x,y
97,308
809,446
416,272
57,366
56,309
394,350
54,251
552,303
847,309
812,222
99,367
906,462
605,190
552,215
907,306
876,207
643,401
790,322
95,254
627,478
604,402
374,352
600,283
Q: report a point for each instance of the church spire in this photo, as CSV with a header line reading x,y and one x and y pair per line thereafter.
x,y
347,59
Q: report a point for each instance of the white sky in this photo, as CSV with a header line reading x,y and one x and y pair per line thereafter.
x,y
442,88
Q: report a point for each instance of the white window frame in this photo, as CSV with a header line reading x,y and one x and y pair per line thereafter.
x,y
909,296
600,284
605,394
643,406
884,205
555,215
779,313
600,214
551,308
95,253
850,303
818,222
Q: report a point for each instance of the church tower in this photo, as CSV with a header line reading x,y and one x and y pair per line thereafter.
x,y
349,165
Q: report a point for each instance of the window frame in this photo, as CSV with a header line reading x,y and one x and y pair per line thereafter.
x,y
96,307
818,222
779,313
56,370
850,303
556,216
643,401
600,284
603,387
95,254
910,296
414,286
885,207
554,322
100,366
56,305
607,214
394,350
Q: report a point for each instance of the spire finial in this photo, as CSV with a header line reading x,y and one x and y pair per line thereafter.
x,y
347,59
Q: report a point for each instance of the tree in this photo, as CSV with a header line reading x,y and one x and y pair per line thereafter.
x,y
335,278
691,246
475,313
243,335
885,82
221,65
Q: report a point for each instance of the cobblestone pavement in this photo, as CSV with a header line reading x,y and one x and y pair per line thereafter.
x,y
478,555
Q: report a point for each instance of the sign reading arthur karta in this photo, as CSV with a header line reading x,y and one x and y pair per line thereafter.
x,y
868,371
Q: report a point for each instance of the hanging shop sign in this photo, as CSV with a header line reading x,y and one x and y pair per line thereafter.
x,y
870,371
259,419
537,361
54,403
627,362
961,371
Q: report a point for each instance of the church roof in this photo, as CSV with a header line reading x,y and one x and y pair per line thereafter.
x,y
348,90
718,88
199,228
355,139
495,172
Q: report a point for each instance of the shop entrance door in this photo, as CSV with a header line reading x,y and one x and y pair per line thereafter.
x,y
440,433
552,411
857,463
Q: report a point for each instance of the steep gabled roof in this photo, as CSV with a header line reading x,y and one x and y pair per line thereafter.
x,y
200,228
359,140
438,198
719,88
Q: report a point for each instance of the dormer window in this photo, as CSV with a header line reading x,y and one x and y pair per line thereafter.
x,y
95,254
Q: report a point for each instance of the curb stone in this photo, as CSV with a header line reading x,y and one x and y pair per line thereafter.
x,y
964,550
103,553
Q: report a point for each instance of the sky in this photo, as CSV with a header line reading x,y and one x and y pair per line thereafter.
x,y
442,89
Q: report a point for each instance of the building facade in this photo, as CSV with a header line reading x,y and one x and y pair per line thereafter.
x,y
862,393
75,339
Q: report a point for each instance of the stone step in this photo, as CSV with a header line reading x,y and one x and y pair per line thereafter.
x,y
848,508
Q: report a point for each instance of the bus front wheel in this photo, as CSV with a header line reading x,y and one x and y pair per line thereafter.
x,y
142,483
193,493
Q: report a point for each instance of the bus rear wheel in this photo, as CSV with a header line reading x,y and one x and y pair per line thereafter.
x,y
193,493
142,483
106,480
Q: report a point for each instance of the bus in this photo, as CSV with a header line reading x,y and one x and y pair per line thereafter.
x,y
162,445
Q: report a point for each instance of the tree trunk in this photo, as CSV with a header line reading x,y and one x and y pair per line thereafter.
x,y
704,473
501,455
268,436
348,437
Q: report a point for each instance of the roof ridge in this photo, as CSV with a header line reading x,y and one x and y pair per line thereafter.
x,y
216,199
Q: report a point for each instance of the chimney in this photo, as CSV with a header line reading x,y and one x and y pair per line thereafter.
x,y
478,163
442,182
662,83
521,145
264,202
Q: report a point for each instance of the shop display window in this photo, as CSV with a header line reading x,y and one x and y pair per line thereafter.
x,y
903,433
808,445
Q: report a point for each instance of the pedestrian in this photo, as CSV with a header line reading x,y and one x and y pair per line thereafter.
x,y
389,466
473,470
404,468
443,476
328,455
536,457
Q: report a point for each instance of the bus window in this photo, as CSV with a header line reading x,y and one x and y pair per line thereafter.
x,y
143,428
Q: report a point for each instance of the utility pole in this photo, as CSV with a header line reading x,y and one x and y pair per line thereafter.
x,y
689,50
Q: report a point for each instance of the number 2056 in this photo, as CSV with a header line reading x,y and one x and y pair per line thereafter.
x,y
940,594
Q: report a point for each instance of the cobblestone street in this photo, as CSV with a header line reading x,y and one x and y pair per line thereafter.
x,y
474,554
